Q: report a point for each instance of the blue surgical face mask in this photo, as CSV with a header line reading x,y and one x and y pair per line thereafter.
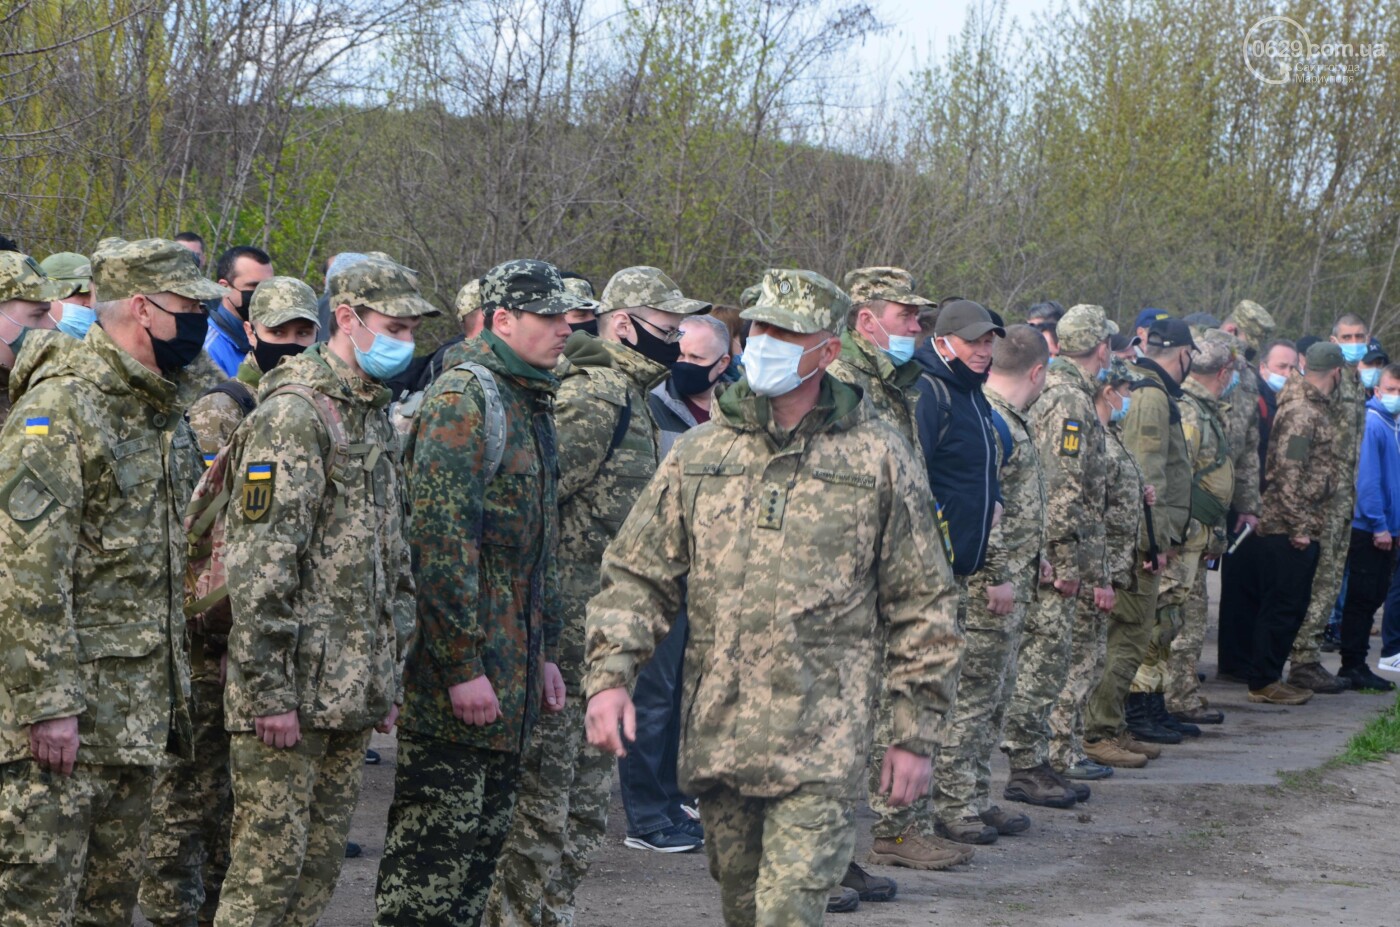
x,y
1117,415
1391,403
1352,353
1276,381
1102,375
386,358
1230,387
772,365
76,320
1370,377
901,347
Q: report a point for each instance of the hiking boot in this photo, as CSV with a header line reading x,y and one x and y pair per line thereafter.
x,y
1087,770
1201,715
1038,786
1130,743
967,830
1108,752
1006,824
868,887
1157,708
1360,677
914,850
1278,693
1142,725
842,900
1313,676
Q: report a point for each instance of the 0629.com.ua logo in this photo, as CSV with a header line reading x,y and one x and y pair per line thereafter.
x,y
1278,50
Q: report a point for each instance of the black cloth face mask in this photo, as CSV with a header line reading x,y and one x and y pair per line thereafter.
x,y
692,379
177,353
591,327
268,355
648,345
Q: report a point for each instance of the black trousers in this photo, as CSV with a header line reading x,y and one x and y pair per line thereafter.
x,y
1369,570
1284,605
1241,592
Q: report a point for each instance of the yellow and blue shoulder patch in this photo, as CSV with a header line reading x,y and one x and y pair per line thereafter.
x,y
260,471
1071,438
38,425
209,459
258,480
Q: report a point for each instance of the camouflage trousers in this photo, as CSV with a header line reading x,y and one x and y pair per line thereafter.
x,y
1130,626
71,847
1087,650
448,821
192,816
1177,583
891,821
561,818
291,819
1327,583
776,859
962,771
1042,665
1183,687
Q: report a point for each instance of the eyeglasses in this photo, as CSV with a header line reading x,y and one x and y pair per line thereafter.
x,y
198,307
668,335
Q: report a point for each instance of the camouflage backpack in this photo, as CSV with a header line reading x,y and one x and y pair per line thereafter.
x,y
206,577
404,415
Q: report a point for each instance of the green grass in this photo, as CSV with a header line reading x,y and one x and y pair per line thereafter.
x,y
1375,741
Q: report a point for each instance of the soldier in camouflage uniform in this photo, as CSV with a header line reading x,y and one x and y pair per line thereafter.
x,y
1349,415
998,596
74,271
1152,434
1071,445
806,538
99,464
321,595
489,612
1170,666
190,831
608,451
25,293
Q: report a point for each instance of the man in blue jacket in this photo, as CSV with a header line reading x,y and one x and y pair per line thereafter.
x,y
240,269
1375,526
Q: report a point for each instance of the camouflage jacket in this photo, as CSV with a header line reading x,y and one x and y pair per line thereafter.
x,y
1203,424
1074,460
812,571
318,570
215,415
1348,411
599,382
1017,541
1152,434
485,554
890,390
99,464
1305,463
1241,417
1125,528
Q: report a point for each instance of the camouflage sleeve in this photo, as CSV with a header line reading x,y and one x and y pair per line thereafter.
x,y
1246,497
1298,483
641,588
1192,423
446,528
405,605
1059,432
41,512
214,416
553,605
918,602
584,420
281,448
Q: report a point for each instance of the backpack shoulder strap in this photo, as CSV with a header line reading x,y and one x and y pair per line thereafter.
x,y
624,421
945,405
1008,441
329,414
495,413
238,391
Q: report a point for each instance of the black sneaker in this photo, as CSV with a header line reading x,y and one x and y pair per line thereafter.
x,y
666,840
694,828
1361,677
842,900
371,757
352,850
868,887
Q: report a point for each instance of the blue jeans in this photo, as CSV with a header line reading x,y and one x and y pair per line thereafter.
x,y
647,774
1390,620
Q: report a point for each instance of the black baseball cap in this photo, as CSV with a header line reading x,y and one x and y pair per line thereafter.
x,y
1170,333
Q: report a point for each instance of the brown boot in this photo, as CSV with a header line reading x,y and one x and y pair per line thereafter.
x,y
914,850
1107,752
1038,786
1314,676
1130,743
970,829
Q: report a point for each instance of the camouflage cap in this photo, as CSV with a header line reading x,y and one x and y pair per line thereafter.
x,y
121,269
529,286
384,286
279,300
1253,321
580,288
1083,328
468,298
648,286
1215,350
750,296
1323,356
800,301
894,284
1118,372
22,278
73,269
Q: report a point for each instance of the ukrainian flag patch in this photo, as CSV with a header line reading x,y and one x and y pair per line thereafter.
x,y
36,426
209,459
259,471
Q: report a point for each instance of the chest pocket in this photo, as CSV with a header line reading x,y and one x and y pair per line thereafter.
x,y
713,492
137,494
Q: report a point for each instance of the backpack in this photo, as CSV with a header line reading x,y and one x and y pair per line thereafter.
x,y
1205,508
206,576
239,392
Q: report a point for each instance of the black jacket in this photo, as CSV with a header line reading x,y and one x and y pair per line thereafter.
x,y
1268,407
962,453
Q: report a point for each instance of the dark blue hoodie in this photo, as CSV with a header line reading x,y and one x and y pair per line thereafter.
x,y
962,466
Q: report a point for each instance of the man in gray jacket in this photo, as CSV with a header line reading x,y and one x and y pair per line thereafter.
x,y
682,400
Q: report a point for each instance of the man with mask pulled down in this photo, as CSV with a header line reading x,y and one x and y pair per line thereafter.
x,y
807,540
101,465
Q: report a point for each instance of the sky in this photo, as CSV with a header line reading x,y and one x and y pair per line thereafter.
x,y
921,27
